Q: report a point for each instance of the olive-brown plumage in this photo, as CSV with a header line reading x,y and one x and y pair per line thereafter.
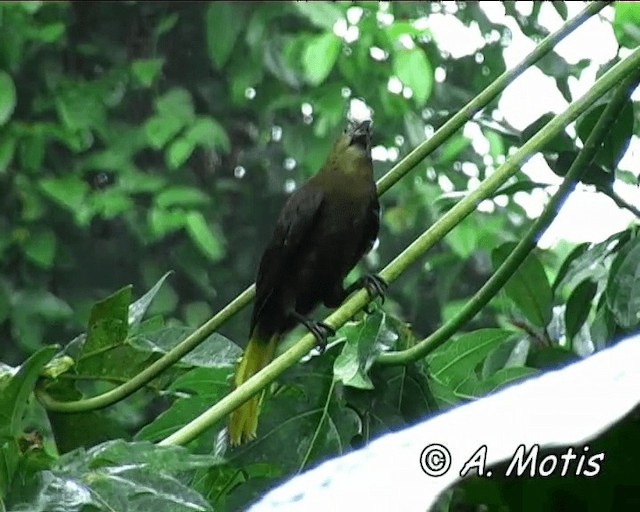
x,y
323,230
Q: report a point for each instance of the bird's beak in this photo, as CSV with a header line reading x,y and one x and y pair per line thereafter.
x,y
360,132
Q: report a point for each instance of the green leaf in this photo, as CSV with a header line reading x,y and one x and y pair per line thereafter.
x,y
561,142
455,361
465,237
209,244
623,288
578,306
414,70
206,386
561,9
320,56
160,130
49,33
223,26
551,357
118,475
529,287
616,141
81,107
500,379
214,352
363,344
626,24
496,143
181,196
145,71
138,308
176,103
16,391
309,413
107,329
452,148
321,14
69,191
40,247
179,152
7,97
208,133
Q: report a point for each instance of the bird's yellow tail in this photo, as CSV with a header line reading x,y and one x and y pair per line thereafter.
x,y
243,422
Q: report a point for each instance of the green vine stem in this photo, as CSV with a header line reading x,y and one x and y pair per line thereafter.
x,y
385,183
359,299
528,243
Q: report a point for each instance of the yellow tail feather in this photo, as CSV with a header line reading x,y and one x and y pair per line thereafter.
x,y
243,422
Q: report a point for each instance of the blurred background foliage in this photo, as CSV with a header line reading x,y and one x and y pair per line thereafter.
x,y
161,136
145,137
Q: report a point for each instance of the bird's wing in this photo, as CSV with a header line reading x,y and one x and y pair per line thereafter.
x,y
371,228
295,223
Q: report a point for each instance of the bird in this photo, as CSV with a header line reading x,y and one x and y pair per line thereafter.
x,y
325,227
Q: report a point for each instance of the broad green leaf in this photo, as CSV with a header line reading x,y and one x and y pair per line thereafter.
x,y
524,185
210,244
176,103
511,353
7,97
309,413
69,191
118,475
453,147
616,142
81,107
216,351
223,22
400,28
322,14
551,357
163,222
465,237
49,33
138,308
414,70
578,306
500,379
160,130
197,312
496,144
364,342
320,56
457,359
528,288
16,391
623,288
575,253
208,133
145,71
181,196
107,329
40,247
179,152
206,386
561,142
626,24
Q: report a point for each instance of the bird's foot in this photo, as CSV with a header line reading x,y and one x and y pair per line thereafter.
x,y
375,286
320,330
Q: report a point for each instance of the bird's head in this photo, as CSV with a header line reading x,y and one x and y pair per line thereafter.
x,y
353,147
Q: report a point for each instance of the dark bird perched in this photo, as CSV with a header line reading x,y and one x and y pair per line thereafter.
x,y
323,230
